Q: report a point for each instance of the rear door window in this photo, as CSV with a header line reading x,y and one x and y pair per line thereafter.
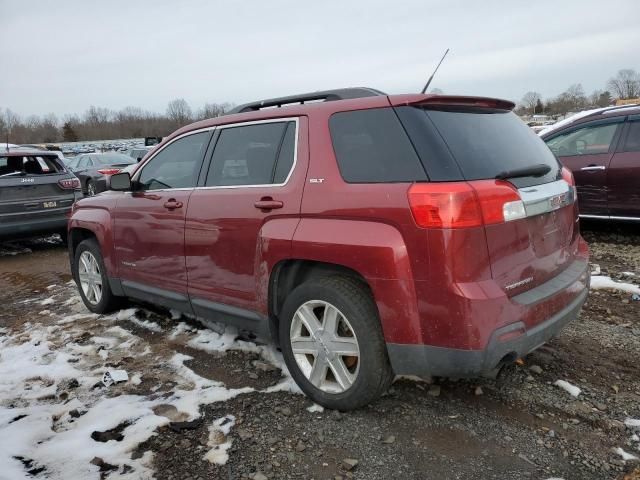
x,y
589,140
177,165
372,147
259,154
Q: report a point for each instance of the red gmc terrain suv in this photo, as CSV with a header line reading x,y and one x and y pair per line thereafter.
x,y
367,235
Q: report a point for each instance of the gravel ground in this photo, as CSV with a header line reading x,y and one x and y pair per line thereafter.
x,y
519,426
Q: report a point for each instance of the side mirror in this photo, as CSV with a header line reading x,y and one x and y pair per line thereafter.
x,y
120,182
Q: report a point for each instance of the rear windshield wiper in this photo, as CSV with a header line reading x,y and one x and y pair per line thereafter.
x,y
532,171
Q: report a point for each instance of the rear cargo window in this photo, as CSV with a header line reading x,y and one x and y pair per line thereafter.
x,y
485,143
29,165
372,147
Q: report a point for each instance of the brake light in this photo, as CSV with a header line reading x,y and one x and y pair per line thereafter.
x,y
464,204
108,171
69,184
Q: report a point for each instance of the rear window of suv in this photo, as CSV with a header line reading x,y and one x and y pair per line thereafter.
x,y
485,143
29,165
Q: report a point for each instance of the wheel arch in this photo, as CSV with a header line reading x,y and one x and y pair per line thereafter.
x,y
92,223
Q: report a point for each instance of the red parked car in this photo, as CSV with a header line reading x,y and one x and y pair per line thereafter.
x,y
367,235
602,149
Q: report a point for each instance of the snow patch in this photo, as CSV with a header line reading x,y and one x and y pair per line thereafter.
x,y
605,282
572,389
153,326
625,456
315,408
219,441
632,422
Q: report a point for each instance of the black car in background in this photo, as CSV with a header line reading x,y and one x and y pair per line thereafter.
x,y
93,169
36,193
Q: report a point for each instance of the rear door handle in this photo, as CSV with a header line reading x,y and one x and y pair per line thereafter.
x,y
268,204
593,167
172,204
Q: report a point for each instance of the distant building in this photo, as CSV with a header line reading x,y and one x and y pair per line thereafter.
x,y
540,118
628,101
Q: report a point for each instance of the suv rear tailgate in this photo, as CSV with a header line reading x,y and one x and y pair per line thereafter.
x,y
487,143
29,191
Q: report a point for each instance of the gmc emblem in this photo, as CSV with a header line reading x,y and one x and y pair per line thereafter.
x,y
558,201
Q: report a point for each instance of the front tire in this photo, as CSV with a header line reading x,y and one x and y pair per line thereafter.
x,y
332,343
91,278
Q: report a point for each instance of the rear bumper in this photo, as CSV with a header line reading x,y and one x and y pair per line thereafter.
x,y
507,343
22,226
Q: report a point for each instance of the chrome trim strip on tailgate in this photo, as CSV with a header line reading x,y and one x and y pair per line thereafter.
x,y
563,280
547,197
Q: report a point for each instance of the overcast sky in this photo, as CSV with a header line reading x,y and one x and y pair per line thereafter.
x,y
66,55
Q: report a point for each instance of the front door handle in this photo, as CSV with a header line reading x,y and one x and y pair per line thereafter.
x,y
593,167
268,203
172,204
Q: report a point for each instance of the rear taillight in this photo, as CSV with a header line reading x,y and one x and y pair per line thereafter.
x,y
108,171
464,204
69,184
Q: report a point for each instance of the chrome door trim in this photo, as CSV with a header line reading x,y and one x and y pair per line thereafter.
x,y
222,127
610,217
153,155
296,120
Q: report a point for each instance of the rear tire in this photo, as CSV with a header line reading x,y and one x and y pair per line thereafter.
x,y
341,371
91,278
91,189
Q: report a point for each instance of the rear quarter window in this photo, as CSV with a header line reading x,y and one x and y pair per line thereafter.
x,y
371,146
29,165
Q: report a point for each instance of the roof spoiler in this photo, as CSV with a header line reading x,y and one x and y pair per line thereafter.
x,y
457,101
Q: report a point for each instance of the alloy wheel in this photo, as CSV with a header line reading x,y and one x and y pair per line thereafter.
x,y
325,346
90,277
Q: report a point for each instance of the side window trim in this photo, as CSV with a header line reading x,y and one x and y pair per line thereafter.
x,y
139,170
219,128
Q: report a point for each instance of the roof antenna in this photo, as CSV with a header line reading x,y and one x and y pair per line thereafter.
x,y
434,72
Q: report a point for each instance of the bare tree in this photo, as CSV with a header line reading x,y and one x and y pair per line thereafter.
x,y
626,84
11,120
179,112
530,100
212,110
